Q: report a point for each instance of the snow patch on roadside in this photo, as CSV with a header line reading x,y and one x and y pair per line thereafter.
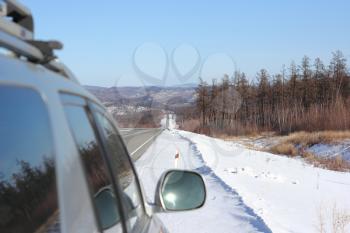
x,y
330,151
338,148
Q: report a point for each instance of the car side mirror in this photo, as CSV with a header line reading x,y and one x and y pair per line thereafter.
x,y
180,190
106,208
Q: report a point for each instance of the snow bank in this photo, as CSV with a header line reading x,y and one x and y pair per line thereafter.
x,y
287,193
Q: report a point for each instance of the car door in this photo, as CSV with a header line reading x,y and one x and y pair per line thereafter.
x,y
104,194
122,171
114,186
28,187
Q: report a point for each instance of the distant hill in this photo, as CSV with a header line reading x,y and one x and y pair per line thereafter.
x,y
151,97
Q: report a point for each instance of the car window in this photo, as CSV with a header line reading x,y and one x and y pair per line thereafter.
x,y
103,195
28,192
122,170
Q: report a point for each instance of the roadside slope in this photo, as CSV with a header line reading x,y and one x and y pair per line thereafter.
x,y
289,194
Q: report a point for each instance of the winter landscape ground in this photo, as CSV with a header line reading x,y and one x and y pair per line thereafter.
x,y
248,190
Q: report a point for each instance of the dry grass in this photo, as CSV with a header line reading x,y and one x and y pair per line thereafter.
x,y
336,220
191,125
297,144
252,135
285,149
336,163
225,137
340,220
308,139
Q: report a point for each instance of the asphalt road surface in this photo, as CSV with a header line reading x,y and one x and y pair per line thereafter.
x,y
139,139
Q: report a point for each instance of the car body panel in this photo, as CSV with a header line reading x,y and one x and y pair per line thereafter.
x,y
76,211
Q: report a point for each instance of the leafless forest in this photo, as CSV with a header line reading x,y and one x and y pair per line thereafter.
x,y
311,96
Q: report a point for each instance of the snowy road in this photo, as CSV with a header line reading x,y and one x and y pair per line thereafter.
x,y
224,210
248,191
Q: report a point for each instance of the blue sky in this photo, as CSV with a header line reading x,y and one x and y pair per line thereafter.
x,y
105,40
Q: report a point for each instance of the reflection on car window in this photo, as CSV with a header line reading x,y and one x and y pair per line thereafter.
x,y
95,167
28,193
124,172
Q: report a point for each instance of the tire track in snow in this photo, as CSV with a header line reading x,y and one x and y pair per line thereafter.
x,y
254,219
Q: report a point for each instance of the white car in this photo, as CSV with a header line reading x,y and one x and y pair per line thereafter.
x,y
63,164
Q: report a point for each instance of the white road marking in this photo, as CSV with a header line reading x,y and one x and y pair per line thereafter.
x,y
137,149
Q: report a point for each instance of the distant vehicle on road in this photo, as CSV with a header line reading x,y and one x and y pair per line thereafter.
x,y
63,164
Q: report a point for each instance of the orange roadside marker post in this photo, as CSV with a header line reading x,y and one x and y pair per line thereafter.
x,y
177,157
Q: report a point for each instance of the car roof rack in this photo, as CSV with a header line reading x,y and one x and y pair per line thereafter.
x,y
17,35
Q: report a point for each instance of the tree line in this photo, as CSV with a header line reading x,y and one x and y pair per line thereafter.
x,y
310,96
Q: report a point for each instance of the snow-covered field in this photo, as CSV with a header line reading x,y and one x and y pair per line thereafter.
x,y
248,191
